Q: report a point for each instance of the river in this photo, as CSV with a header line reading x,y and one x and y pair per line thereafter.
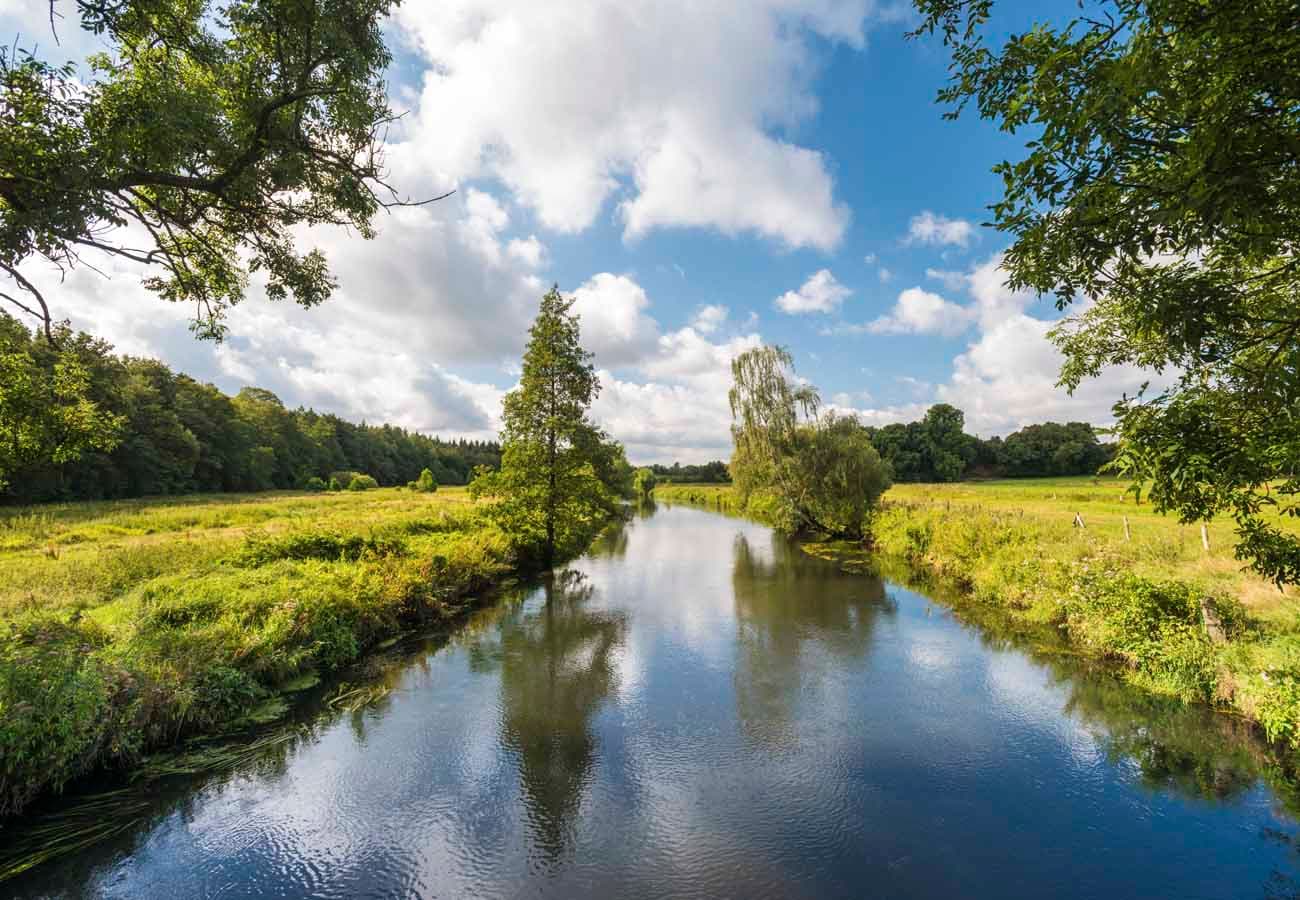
x,y
698,709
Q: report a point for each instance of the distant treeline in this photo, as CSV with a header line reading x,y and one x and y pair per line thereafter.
x,y
709,473
179,436
937,448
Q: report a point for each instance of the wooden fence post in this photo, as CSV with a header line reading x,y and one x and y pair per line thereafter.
x,y
1213,624
1127,535
1205,538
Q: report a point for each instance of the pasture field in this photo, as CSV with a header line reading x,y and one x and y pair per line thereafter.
x,y
129,624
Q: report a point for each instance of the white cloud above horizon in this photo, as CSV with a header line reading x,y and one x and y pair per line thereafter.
x,y
1007,375
935,230
919,311
821,293
572,106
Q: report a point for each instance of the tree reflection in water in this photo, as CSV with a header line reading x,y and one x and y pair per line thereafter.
x,y
799,622
558,664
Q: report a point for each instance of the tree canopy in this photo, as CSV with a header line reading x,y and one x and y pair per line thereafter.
x,y
560,474
816,472
1161,184
198,142
80,423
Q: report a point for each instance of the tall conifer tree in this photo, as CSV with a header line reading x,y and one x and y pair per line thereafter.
x,y
553,483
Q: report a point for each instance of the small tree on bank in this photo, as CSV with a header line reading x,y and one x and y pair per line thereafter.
x,y
644,482
560,474
821,473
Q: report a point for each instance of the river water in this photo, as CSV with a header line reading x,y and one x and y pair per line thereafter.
x,y
698,709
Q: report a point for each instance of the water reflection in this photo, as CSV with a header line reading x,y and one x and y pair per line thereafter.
x,y
1192,751
557,666
800,623
697,707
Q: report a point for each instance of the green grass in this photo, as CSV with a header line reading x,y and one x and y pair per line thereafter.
x,y
127,625
1134,599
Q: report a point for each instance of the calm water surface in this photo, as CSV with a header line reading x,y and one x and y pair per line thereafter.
x,y
697,709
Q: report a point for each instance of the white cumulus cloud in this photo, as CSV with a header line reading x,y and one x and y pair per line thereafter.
x,y
928,228
920,312
678,109
709,319
821,293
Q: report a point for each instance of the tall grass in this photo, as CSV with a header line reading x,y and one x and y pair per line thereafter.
x,y
153,620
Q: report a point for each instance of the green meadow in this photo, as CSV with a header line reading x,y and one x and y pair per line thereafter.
x,y
129,624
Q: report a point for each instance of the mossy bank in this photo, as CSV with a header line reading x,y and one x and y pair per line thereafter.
x,y
1115,580
129,625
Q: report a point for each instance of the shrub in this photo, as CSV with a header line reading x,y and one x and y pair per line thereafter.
x,y
426,483
362,483
334,485
261,549
315,484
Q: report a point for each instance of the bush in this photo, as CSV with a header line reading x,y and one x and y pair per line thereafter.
x,y
334,485
362,483
260,549
314,484
426,483
644,482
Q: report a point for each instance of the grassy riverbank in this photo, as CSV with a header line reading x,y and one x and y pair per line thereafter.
x,y
1135,597
128,624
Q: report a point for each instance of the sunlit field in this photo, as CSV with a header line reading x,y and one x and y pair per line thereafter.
x,y
132,623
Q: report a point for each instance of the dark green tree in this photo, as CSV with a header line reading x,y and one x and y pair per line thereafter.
x,y
1161,181
46,414
559,473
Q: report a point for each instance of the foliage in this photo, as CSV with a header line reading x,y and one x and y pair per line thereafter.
x,y
46,413
936,449
214,129
362,483
138,635
1161,184
560,475
839,474
714,472
1051,449
132,427
314,484
819,473
426,483
645,481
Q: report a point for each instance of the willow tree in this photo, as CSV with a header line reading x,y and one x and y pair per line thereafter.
x,y
560,475
1161,181
197,144
816,472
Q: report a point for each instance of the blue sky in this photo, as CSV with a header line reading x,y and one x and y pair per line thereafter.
x,y
702,176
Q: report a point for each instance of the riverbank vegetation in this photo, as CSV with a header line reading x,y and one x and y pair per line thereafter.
x,y
1118,580
804,469
129,624
560,474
